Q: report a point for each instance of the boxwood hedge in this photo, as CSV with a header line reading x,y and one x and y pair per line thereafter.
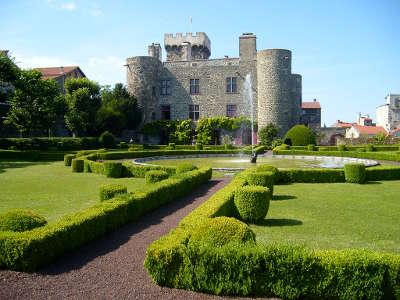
x,y
109,191
155,176
113,169
354,173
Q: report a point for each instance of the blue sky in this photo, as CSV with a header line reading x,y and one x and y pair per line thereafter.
x,y
348,52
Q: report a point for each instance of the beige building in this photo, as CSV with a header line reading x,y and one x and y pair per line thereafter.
x,y
388,115
356,131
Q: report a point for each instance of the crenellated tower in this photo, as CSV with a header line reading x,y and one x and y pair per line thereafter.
x,y
187,47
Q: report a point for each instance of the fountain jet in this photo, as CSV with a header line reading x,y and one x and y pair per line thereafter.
x,y
248,99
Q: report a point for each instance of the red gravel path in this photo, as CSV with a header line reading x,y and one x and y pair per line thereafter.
x,y
111,267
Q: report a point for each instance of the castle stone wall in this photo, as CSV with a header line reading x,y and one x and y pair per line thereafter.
x,y
275,89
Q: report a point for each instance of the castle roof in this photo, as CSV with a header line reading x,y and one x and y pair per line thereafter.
x,y
54,72
311,105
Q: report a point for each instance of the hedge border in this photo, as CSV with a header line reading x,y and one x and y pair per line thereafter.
x,y
30,250
286,271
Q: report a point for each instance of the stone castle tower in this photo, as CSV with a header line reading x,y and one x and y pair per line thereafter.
x,y
191,85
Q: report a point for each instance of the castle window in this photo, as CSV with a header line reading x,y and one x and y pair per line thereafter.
x,y
165,112
194,112
231,85
194,86
165,88
231,110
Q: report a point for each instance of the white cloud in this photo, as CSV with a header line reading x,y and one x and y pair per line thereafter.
x,y
105,70
68,6
27,62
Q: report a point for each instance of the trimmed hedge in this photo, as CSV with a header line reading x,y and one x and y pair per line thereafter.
x,y
68,159
20,220
221,231
107,140
341,148
265,179
382,173
155,176
109,191
130,170
310,176
252,202
44,144
283,271
113,169
27,251
77,165
300,135
355,173
311,147
199,146
185,167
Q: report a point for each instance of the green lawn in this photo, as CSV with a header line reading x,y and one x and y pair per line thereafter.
x,y
339,215
51,189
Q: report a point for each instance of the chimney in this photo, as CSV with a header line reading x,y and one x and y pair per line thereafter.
x,y
62,69
315,100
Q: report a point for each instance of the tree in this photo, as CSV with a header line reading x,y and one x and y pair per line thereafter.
x,y
182,134
119,103
35,103
267,134
83,101
9,72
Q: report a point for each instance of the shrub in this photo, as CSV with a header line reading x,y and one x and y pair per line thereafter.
x,y
77,165
68,159
220,231
267,134
109,191
341,147
267,168
355,173
265,179
185,167
228,146
123,145
155,176
360,149
282,147
370,148
311,147
300,135
199,146
107,140
171,145
276,142
113,169
20,220
252,202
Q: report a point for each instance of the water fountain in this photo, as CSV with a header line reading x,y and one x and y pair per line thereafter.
x,y
248,100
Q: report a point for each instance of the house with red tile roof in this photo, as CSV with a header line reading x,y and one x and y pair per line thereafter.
x,y
311,114
355,131
61,74
342,124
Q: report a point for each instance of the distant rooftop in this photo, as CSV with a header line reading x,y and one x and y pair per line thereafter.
x,y
369,129
341,124
311,104
54,72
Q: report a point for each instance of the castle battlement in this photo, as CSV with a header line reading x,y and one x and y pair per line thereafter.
x,y
200,45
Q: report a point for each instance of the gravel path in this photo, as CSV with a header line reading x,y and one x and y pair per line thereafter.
x,y
111,267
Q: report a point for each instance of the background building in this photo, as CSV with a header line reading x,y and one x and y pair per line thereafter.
x,y
311,114
190,85
388,115
61,74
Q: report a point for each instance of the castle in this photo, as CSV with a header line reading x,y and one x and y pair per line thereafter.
x,y
190,85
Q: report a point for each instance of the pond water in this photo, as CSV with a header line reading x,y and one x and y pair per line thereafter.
x,y
244,162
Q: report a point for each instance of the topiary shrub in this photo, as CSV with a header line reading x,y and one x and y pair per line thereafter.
x,y
109,191
267,168
185,167
360,149
220,231
341,148
68,159
266,179
77,165
370,148
199,146
155,176
355,173
276,142
123,145
228,146
171,146
107,140
300,135
311,147
252,202
20,220
113,169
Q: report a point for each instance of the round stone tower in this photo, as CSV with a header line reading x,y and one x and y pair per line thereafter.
x,y
142,81
275,97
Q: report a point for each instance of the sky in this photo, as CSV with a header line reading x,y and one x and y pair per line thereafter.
x,y
348,52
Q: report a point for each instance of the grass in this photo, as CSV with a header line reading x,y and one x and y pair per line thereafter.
x,y
339,215
51,189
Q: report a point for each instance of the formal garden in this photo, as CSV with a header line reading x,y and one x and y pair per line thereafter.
x,y
292,232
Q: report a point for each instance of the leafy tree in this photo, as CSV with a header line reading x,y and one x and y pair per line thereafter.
x,y
267,134
182,134
35,103
83,101
9,72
